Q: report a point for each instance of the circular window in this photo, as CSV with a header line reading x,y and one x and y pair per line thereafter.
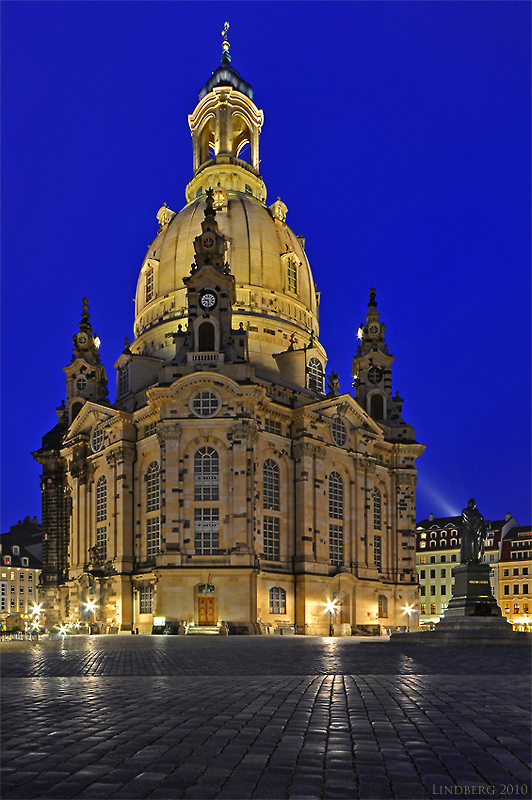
x,y
97,440
205,404
338,432
81,384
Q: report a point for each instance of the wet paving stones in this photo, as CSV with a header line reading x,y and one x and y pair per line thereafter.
x,y
262,718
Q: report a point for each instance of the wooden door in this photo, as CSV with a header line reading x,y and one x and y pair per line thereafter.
x,y
206,611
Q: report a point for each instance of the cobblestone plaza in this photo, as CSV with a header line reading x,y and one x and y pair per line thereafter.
x,y
262,717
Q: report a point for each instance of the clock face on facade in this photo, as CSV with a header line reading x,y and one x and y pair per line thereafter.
x,y
82,338
374,374
208,242
374,329
208,299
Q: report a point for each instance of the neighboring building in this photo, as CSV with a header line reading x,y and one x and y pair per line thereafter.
x,y
438,551
228,481
515,577
20,572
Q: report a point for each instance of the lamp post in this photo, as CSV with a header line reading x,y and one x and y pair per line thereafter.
x,y
408,609
332,608
90,606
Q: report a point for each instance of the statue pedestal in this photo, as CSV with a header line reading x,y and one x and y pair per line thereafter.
x,y
472,594
472,616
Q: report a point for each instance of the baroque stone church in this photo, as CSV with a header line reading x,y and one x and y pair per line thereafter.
x,y
229,487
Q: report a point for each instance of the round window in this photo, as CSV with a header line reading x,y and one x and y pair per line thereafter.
x,y
97,440
205,404
81,384
338,432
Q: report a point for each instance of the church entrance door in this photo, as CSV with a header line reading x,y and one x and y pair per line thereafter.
x,y
206,611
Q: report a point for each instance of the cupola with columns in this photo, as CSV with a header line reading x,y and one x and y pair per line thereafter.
x,y
225,127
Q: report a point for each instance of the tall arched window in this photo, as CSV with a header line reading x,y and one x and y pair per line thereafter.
x,y
277,600
271,525
336,511
315,375
206,338
153,500
101,516
206,488
270,485
206,474
377,510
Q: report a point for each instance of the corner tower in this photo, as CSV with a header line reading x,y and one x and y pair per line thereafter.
x,y
85,375
372,373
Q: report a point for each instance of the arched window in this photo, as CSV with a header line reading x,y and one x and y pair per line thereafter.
x,y
383,606
377,510
206,338
270,485
336,496
206,474
377,406
315,375
101,499
153,501
277,600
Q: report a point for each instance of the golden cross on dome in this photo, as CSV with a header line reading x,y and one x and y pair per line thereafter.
x,y
225,43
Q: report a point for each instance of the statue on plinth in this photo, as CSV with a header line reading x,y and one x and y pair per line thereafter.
x,y
473,534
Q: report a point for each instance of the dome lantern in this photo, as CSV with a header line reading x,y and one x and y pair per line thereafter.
x,y
225,128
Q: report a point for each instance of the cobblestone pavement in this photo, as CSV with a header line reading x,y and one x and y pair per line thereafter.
x,y
243,718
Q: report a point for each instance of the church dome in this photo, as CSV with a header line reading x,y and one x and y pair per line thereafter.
x,y
276,299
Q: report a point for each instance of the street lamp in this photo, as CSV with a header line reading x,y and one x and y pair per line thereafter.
x,y
331,607
90,605
408,610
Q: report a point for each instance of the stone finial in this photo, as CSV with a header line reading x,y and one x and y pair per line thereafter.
x,y
372,302
333,382
164,216
84,324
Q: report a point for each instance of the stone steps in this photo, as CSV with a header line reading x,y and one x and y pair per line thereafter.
x,y
203,630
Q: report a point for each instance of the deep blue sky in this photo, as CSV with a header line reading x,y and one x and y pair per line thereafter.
x,y
398,135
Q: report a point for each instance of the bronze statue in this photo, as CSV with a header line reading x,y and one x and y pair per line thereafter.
x,y
473,534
